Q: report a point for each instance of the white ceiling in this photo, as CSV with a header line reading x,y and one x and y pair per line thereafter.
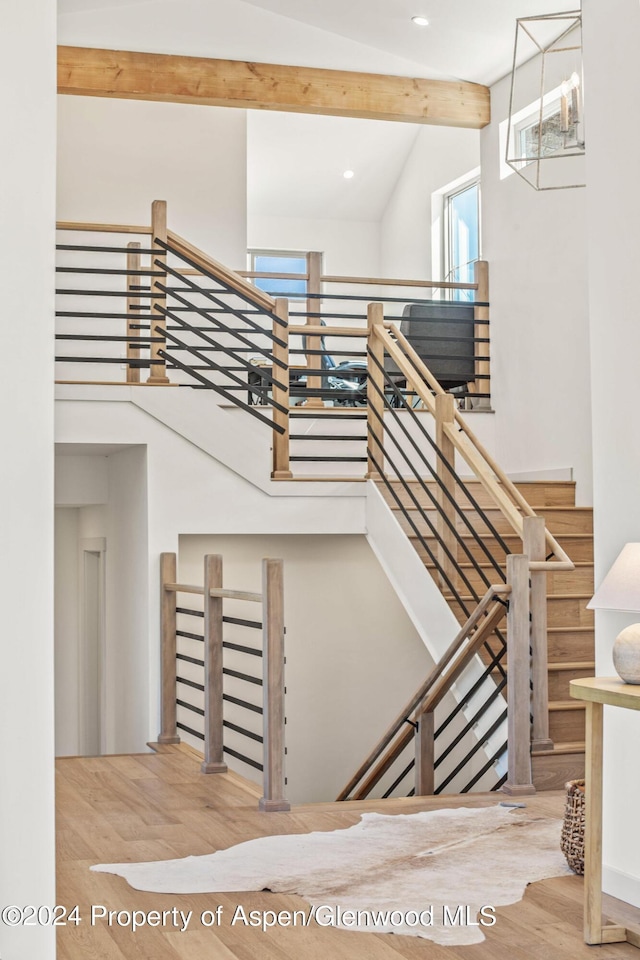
x,y
469,39
296,164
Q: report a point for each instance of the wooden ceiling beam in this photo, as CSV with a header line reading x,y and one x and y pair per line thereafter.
x,y
128,75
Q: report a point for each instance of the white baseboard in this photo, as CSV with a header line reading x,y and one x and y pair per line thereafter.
x,y
621,885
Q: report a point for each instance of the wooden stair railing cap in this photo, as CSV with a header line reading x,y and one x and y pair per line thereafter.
x,y
224,274
472,622
506,495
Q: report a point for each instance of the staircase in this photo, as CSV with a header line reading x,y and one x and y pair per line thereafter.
x,y
488,544
570,625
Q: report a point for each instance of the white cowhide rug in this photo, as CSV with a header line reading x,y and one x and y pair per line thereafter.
x,y
469,858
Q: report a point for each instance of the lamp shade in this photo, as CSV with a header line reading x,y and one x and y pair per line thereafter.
x,y
620,589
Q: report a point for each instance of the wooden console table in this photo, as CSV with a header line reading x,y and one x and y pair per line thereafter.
x,y
597,691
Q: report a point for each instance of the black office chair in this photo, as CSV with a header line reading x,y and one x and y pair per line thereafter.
x,y
442,335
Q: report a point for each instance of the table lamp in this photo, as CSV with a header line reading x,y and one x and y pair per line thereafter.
x,y
620,590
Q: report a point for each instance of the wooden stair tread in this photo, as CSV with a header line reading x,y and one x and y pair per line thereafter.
x,y
511,536
539,508
577,746
575,665
569,596
466,598
317,479
560,666
579,565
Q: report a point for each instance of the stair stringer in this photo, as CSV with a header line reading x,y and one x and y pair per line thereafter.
x,y
427,608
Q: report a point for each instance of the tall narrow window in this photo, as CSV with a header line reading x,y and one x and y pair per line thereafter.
x,y
462,236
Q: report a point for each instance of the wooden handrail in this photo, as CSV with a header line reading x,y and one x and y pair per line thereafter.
x,y
503,491
432,690
226,276
431,284
316,330
217,592
362,281
101,227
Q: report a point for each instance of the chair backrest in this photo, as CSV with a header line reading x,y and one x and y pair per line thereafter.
x,y
442,335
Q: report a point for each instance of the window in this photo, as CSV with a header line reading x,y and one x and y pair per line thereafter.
x,y
462,235
279,262
540,138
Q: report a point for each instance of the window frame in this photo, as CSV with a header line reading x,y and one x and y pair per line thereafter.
x,y
254,252
447,233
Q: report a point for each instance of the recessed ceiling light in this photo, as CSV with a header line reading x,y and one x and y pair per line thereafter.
x,y
348,174
420,21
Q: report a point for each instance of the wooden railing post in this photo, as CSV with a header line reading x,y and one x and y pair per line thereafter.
x,y
375,390
213,651
314,304
425,755
273,687
534,545
445,416
519,782
169,731
481,328
158,301
133,313
280,394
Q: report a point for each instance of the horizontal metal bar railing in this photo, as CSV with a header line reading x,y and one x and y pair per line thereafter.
x,y
460,652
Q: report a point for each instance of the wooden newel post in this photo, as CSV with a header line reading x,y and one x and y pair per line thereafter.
x,y
314,305
133,313
213,651
273,687
280,392
446,520
375,391
534,543
481,329
169,731
425,755
158,300
519,782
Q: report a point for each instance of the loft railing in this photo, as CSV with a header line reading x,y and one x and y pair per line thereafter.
x,y
344,298
218,680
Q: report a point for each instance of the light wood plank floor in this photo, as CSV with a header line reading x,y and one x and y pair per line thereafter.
x,y
148,807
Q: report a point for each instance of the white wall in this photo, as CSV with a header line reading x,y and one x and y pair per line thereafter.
x,y
536,247
353,656
116,156
439,156
81,480
27,188
127,587
350,247
66,631
612,35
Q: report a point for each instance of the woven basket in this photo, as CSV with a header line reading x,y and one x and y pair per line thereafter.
x,y
572,839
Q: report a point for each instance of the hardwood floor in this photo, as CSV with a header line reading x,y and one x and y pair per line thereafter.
x,y
158,806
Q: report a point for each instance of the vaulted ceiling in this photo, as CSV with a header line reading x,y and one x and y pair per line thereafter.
x,y
468,39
